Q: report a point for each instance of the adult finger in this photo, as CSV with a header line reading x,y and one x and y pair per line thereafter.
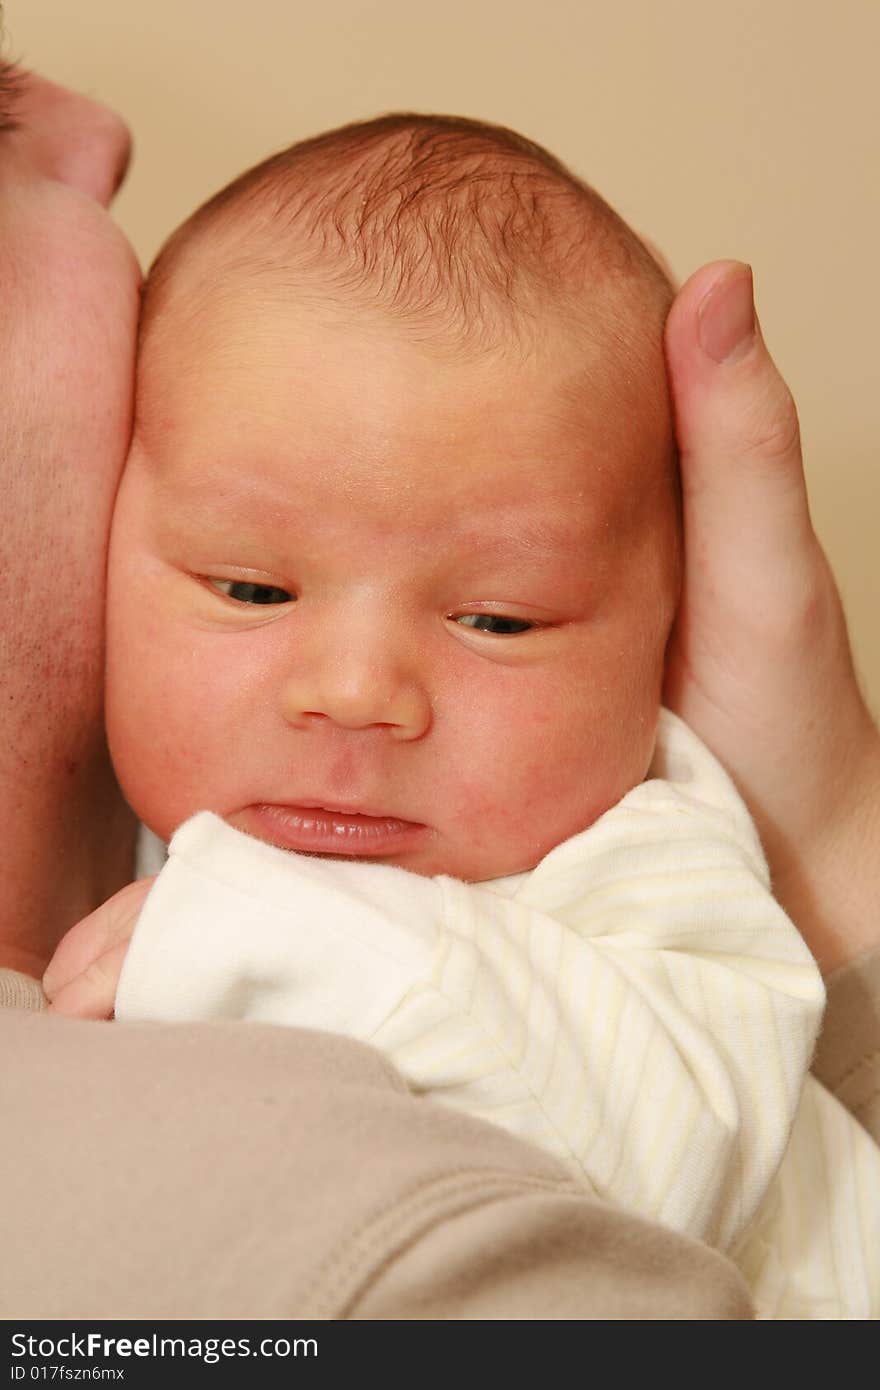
x,y
736,422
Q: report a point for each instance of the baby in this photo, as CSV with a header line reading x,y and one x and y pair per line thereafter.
x,y
394,563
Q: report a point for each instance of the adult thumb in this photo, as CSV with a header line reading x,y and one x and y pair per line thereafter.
x,y
736,423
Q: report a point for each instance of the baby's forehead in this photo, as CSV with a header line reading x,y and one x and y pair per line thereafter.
x,y
349,424
591,365
599,350
467,241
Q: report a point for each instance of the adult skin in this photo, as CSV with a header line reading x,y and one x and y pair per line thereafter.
x,y
760,664
69,291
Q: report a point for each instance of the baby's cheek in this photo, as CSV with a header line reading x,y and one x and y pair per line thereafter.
x,y
509,782
158,743
565,754
150,760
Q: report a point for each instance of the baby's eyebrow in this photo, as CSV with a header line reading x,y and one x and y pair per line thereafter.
x,y
528,543
541,531
533,536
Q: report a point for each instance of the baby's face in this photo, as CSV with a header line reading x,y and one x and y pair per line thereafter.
x,y
368,600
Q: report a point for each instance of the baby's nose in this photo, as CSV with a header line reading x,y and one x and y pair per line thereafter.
x,y
356,689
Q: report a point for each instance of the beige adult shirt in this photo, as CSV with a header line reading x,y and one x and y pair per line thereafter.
x,y
234,1171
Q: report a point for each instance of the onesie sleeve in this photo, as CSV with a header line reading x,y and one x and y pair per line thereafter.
x,y
638,1005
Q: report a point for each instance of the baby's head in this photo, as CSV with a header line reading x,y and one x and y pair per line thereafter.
x,y
395,554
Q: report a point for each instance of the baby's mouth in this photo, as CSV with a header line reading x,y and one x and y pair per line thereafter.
x,y
311,829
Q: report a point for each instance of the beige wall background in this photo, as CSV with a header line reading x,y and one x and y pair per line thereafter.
x,y
747,128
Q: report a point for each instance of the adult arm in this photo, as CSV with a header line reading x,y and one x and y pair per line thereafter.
x,y
325,1190
760,663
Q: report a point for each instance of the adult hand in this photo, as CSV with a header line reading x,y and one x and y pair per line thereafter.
x,y
760,663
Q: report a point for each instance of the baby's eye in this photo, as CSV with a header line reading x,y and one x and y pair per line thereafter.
x,y
244,592
494,622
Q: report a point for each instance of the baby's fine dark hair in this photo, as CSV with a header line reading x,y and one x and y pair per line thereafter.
x,y
462,229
